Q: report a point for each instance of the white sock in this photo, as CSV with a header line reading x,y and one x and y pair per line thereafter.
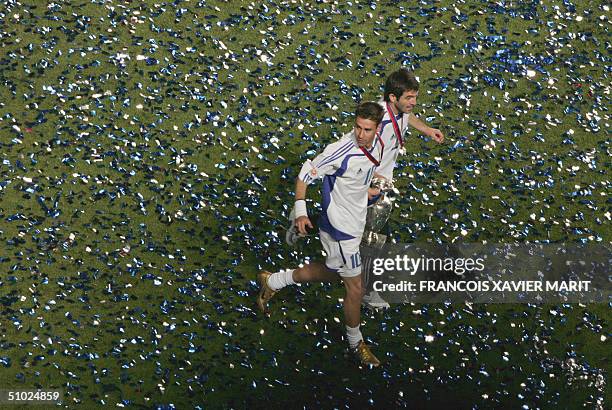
x,y
281,279
354,336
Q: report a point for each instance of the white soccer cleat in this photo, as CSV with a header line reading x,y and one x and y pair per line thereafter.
x,y
375,301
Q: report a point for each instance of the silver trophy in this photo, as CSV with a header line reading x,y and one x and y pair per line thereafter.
x,y
376,218
378,213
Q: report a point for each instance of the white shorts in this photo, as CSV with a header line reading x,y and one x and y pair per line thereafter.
x,y
342,256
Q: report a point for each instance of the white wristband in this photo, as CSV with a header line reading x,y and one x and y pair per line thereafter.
x,y
300,208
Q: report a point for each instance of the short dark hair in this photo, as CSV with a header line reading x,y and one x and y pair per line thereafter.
x,y
399,82
370,111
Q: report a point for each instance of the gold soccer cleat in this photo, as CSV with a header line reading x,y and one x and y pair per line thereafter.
x,y
266,293
365,355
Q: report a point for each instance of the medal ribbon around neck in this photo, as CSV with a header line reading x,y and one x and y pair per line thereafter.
x,y
396,128
382,150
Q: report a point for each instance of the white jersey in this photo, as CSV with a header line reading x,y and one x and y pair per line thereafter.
x,y
392,145
346,172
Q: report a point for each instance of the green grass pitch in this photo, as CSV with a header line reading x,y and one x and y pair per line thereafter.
x,y
148,151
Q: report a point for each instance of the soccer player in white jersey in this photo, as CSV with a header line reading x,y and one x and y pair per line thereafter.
x,y
346,168
400,95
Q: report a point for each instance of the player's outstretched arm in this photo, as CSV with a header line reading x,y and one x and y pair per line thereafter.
x,y
433,133
301,214
326,163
